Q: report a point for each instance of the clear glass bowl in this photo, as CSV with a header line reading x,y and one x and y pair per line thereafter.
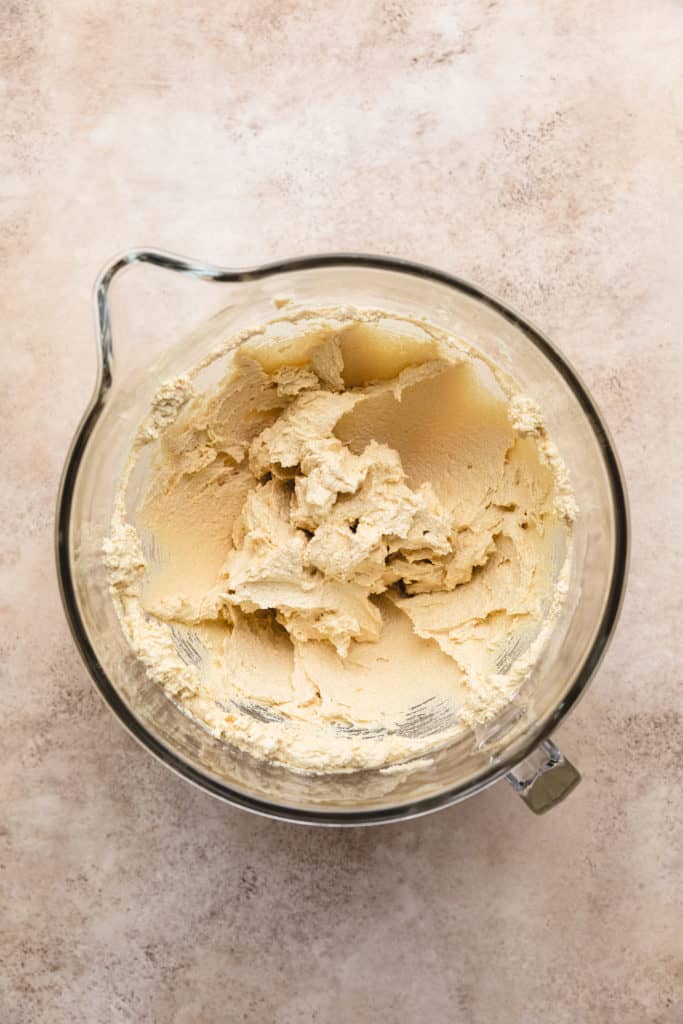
x,y
146,301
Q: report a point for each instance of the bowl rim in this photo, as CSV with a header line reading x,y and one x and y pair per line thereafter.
x,y
169,757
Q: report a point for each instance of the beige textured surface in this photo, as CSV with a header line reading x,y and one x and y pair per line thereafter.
x,y
531,146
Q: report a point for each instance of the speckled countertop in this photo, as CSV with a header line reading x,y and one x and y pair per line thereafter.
x,y
529,146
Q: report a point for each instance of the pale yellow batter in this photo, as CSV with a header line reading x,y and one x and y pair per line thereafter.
x,y
349,550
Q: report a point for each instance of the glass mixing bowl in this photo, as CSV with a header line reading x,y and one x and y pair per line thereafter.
x,y
146,299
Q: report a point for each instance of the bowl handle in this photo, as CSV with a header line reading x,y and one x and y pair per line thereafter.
x,y
545,778
156,258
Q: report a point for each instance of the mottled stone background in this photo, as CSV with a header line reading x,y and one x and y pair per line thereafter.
x,y
533,146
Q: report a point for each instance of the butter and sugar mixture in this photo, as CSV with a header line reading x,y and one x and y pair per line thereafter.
x,y
362,518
